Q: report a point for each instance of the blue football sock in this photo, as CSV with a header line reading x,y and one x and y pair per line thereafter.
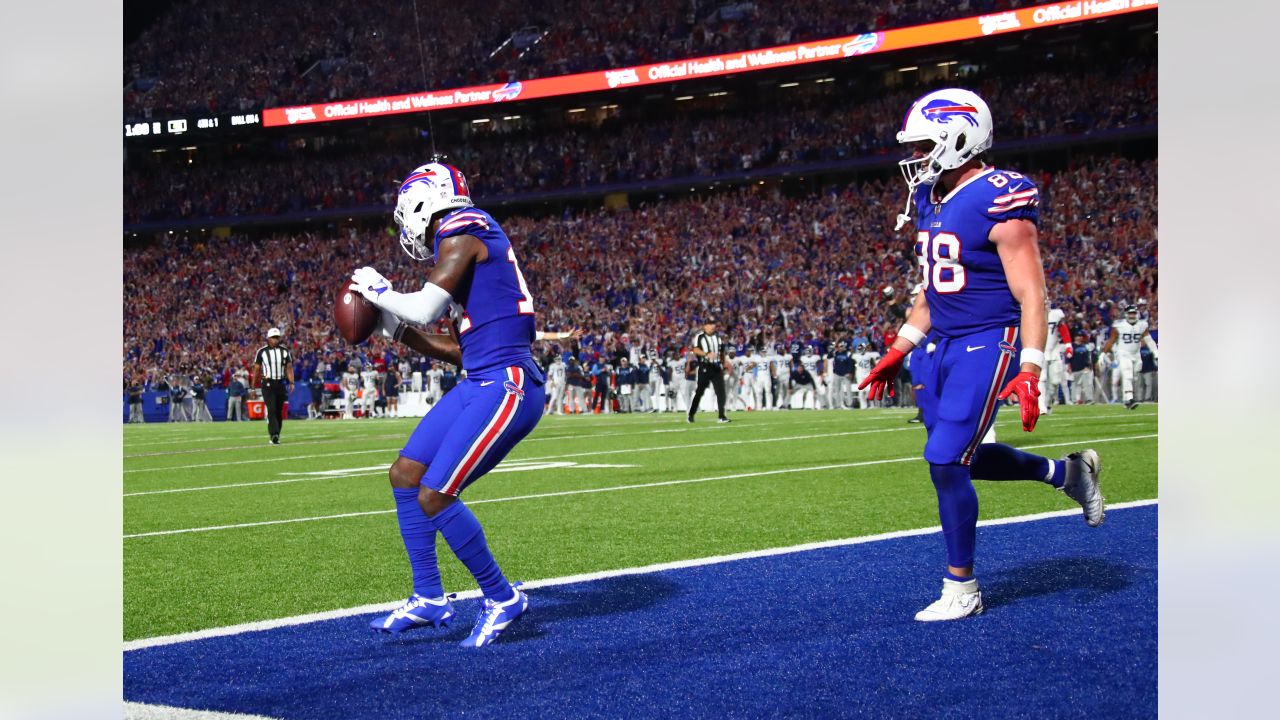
x,y
994,461
462,531
952,576
958,510
419,537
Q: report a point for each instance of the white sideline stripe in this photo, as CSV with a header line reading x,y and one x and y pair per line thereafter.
x,y
143,711
545,457
585,437
614,488
319,440
603,575
381,469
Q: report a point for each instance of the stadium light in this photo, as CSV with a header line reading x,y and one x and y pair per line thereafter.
x,y
825,80
510,117
684,97
909,68
479,121
790,84
949,62
718,94
577,110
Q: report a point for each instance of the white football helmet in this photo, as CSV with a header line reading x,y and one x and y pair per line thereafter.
x,y
958,122
429,189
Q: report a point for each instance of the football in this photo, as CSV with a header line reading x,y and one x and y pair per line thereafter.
x,y
355,317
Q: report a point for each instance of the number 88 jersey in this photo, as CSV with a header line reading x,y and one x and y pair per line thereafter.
x,y
964,280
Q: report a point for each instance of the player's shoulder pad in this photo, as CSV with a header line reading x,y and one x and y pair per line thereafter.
x,y
468,221
1008,195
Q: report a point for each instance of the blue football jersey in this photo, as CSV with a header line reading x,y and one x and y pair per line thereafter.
x,y
964,279
497,326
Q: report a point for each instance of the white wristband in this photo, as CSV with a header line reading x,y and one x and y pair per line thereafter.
x,y
911,334
1033,356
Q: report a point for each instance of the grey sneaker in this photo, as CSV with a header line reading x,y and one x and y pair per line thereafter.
x,y
1082,484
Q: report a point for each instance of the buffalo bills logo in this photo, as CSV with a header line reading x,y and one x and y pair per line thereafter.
x,y
512,388
1007,348
863,44
424,175
510,91
942,110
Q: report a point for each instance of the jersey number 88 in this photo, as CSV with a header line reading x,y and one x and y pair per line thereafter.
x,y
940,262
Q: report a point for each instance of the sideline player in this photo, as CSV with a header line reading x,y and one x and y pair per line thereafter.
x,y
984,296
864,358
555,385
477,423
1054,375
1131,332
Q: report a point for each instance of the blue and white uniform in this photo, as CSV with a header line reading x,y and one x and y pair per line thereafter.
x,y
501,400
975,318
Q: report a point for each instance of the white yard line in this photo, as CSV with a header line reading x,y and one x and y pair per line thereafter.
x,y
544,457
286,458
602,575
548,457
143,711
614,488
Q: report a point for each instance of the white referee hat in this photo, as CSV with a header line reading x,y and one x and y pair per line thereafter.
x,y
273,332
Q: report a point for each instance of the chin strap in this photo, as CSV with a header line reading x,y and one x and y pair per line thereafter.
x,y
904,217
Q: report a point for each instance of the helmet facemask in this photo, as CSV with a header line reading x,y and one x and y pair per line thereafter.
x,y
413,239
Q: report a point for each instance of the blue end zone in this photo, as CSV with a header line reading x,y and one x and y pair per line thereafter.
x,y
1070,631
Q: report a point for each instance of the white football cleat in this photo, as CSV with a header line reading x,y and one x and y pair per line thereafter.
x,y
1081,484
959,600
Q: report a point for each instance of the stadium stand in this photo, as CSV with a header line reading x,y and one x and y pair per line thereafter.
x,y
361,171
225,56
782,266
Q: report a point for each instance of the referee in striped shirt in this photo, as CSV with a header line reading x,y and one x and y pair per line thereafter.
x,y
274,366
709,350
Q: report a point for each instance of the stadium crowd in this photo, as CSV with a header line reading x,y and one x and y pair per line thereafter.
x,y
227,56
771,268
822,127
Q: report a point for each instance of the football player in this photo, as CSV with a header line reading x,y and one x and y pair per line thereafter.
x,y
555,385
369,390
983,306
864,358
477,423
1054,375
350,391
1128,335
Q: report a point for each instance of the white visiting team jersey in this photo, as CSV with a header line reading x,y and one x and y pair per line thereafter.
x,y
1129,336
433,377
782,363
810,363
556,372
370,378
1051,343
350,380
864,361
760,366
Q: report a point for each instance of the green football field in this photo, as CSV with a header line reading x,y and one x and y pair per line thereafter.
x,y
222,528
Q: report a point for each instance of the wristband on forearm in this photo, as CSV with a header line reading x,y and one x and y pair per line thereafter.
x,y
1032,356
911,334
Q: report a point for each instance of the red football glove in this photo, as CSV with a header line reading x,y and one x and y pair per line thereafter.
x,y
1027,387
882,374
